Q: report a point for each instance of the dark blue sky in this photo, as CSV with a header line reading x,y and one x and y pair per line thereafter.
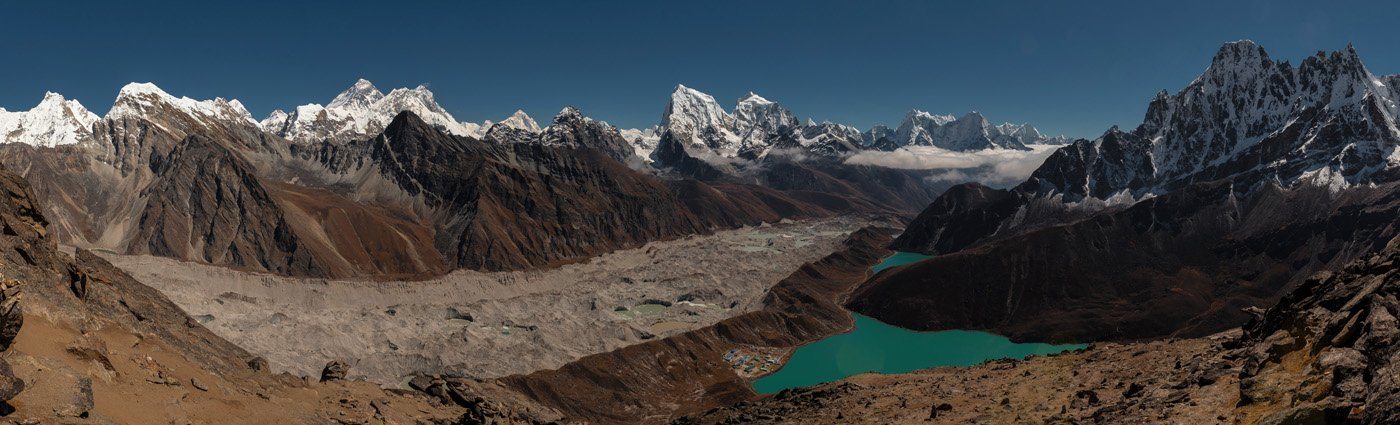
x,y
1071,67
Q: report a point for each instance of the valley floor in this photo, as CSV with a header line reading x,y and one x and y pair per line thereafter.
x,y
492,324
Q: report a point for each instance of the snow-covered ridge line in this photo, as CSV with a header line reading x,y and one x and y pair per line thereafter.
x,y
755,124
57,121
135,99
360,111
1326,121
363,110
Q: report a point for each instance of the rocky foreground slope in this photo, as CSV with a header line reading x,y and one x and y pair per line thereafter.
x,y
85,343
1326,353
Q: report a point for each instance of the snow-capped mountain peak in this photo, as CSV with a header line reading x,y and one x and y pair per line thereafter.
x,y
522,121
691,111
361,111
138,100
757,125
1248,118
697,120
360,95
972,131
755,118
754,98
568,110
915,114
54,121
276,118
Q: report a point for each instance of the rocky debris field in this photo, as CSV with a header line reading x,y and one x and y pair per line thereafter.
x,y
492,324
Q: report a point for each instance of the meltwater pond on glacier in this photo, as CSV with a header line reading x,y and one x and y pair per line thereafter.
x,y
874,346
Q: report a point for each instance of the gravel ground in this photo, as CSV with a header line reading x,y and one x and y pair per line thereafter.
x,y
492,324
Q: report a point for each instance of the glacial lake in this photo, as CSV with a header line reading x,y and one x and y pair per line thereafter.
x,y
874,346
898,259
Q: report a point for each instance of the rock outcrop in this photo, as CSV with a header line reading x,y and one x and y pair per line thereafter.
x,y
334,371
1327,350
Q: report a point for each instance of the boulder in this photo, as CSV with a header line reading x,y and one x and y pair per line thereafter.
x,y
334,371
259,364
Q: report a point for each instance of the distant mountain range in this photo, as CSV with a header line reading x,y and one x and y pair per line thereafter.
x,y
757,126
392,185
363,111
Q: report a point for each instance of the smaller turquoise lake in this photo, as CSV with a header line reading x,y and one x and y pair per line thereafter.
x,y
874,346
898,259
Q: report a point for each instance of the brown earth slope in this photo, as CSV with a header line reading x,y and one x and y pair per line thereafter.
x,y
99,347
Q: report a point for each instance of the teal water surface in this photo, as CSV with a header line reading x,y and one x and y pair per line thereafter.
x,y
898,259
874,346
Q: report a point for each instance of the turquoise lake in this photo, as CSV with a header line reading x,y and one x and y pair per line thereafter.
x,y
874,346
898,259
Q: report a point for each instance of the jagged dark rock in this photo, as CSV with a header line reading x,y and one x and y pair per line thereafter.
x,y
335,370
571,128
1344,328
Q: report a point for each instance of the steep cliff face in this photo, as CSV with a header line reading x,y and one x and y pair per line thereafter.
x,y
1180,264
206,204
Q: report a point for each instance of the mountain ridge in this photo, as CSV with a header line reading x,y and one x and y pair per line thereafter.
x,y
1270,178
